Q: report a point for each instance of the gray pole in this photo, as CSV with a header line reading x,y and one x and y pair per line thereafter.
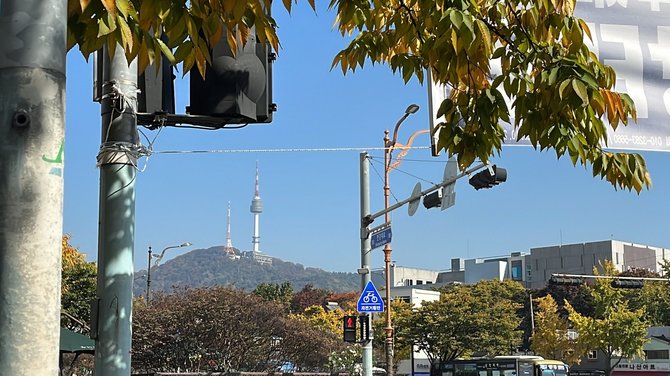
x,y
365,253
149,275
117,160
32,131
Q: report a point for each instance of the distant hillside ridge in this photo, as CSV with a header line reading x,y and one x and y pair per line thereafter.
x,y
213,267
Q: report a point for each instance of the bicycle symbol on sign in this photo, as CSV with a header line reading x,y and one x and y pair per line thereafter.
x,y
370,298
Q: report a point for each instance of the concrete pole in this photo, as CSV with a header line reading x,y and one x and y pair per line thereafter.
x,y
365,252
117,160
32,131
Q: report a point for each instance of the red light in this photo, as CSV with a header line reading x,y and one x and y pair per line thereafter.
x,y
350,322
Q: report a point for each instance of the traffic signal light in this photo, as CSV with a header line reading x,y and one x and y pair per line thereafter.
x,y
156,90
364,320
566,281
237,88
488,179
627,283
433,200
349,328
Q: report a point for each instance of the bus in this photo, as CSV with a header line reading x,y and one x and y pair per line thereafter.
x,y
502,366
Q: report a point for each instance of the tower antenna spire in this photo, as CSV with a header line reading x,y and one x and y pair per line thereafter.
x,y
256,210
229,241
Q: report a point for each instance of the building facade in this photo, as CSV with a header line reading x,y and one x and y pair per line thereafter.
x,y
534,268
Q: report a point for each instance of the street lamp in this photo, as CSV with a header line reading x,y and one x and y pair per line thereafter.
x,y
389,145
158,259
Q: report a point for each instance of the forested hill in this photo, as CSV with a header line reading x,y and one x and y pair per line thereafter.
x,y
212,267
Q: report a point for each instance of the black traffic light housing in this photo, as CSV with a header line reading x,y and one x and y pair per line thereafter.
x,y
156,90
627,283
237,88
566,281
433,200
349,328
364,321
488,178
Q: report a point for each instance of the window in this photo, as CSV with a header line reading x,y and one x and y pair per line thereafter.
x,y
408,282
419,282
592,355
657,354
517,271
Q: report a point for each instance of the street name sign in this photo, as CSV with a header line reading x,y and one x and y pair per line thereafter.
x,y
370,300
380,238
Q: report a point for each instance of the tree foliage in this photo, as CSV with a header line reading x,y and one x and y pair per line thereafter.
x,y
325,321
551,338
274,292
615,330
466,320
559,92
78,288
307,297
181,30
223,329
579,297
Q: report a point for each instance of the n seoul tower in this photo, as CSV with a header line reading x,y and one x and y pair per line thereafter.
x,y
256,210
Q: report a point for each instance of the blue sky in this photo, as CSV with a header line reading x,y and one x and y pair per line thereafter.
x,y
311,199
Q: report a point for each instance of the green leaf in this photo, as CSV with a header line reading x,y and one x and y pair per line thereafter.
x,y
456,18
166,51
580,89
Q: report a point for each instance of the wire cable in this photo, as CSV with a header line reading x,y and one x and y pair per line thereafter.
x,y
279,150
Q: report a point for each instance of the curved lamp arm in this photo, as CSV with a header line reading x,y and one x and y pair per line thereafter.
x,y
159,258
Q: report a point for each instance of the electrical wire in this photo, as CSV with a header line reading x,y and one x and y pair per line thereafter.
x,y
279,150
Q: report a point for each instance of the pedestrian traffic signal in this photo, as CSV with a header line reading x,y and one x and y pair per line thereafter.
x,y
349,328
364,321
566,281
237,88
627,283
488,178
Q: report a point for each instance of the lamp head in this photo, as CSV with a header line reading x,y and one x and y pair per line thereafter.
x,y
412,108
186,244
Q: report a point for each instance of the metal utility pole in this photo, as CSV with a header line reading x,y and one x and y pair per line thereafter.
x,y
148,276
388,149
117,160
158,259
387,261
32,131
365,254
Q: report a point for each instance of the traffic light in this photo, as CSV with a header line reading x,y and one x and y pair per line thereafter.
x,y
364,321
236,88
488,179
433,200
349,328
566,281
156,90
627,283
